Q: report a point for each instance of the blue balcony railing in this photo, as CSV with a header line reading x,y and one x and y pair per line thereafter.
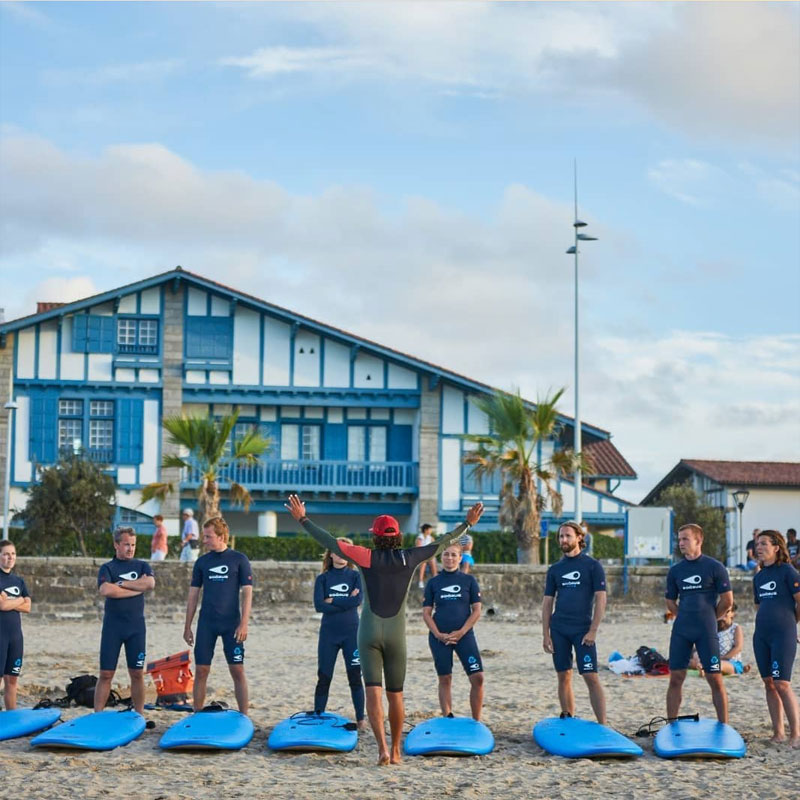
x,y
332,476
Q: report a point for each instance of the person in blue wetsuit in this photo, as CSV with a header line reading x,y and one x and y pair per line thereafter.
x,y
698,594
123,582
456,598
575,584
337,596
14,599
776,592
221,573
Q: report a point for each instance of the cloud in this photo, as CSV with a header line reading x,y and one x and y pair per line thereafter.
x,y
486,296
723,70
110,74
687,180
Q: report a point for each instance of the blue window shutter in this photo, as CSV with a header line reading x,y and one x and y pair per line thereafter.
x,y
334,442
80,324
130,430
100,334
272,431
399,444
209,337
43,435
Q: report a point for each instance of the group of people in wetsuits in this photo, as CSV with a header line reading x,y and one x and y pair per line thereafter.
x,y
698,593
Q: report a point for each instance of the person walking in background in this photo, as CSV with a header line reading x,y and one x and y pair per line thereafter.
x,y
14,599
158,547
751,560
776,593
793,547
698,594
337,596
467,560
190,537
424,538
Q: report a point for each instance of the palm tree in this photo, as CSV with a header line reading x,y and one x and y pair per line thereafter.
x,y
207,441
511,449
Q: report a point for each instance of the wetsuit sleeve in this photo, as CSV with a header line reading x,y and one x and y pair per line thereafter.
x,y
722,583
245,572
24,588
672,586
474,592
550,584
104,575
792,578
146,569
319,598
351,552
428,599
598,578
755,593
447,539
197,576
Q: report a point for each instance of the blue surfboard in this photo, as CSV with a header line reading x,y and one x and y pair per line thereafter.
x,y
209,730
25,721
449,736
688,738
103,730
308,731
581,738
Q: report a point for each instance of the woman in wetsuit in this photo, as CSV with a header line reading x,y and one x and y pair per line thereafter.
x,y
386,571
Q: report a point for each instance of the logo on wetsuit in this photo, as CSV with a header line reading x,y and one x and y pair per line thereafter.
x,y
451,592
714,664
129,576
140,660
571,579
340,590
693,582
767,589
587,661
17,666
474,666
776,670
12,590
218,573
355,661
237,654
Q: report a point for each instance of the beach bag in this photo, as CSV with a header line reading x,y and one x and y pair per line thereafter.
x,y
80,690
652,662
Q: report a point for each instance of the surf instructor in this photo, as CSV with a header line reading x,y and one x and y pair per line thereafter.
x,y
386,571
698,593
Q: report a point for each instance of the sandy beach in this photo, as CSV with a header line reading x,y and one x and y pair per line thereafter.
x,y
281,664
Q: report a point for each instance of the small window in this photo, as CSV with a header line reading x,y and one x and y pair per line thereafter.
x,y
356,443
311,438
70,408
126,332
377,443
69,434
101,408
101,434
148,332
137,336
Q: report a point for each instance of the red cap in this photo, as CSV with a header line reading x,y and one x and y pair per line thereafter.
x,y
384,525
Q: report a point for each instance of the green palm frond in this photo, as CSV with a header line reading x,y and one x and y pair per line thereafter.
x,y
174,462
156,491
250,447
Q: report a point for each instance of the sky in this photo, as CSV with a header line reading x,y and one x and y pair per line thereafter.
x,y
405,171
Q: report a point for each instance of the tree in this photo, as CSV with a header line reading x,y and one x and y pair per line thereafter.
x,y
689,507
73,497
511,449
209,451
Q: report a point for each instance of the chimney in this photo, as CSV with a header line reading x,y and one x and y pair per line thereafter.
x,y
41,307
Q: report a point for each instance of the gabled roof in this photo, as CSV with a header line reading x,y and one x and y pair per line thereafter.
x,y
607,460
765,474
181,275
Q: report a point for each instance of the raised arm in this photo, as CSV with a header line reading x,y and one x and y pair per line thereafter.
x,y
297,508
473,515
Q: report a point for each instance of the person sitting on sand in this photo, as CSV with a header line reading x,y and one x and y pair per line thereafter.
x,y
123,582
467,559
698,593
337,596
776,593
457,600
731,641
574,584
386,571
221,573
14,599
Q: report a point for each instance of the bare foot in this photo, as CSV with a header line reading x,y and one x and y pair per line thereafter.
x,y
778,738
383,760
746,668
794,743
361,725
396,758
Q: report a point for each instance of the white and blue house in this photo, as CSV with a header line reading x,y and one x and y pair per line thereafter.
x,y
358,428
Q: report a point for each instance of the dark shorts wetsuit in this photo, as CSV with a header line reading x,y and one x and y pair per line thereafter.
x,y
573,581
123,620
220,575
338,631
452,595
387,576
698,583
775,636
11,626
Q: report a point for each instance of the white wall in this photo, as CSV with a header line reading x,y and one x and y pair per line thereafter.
x,y
246,344
337,364
775,509
276,352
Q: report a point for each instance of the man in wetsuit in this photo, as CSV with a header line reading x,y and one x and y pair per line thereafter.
x,y
220,573
123,582
14,599
698,593
386,571
574,584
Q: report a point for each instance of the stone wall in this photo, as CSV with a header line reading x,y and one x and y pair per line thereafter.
x,y
172,393
6,379
429,421
67,587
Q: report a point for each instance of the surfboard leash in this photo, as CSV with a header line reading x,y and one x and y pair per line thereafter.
x,y
656,723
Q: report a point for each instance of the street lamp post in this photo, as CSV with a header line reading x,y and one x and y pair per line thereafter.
x,y
579,237
740,498
11,407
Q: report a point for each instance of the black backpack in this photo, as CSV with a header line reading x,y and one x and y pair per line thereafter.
x,y
80,690
651,660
